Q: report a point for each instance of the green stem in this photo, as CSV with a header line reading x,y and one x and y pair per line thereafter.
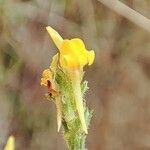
x,y
72,106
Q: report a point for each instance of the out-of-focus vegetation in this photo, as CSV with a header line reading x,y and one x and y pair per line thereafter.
x,y
119,80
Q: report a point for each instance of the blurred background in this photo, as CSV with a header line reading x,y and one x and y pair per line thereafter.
x,y
119,79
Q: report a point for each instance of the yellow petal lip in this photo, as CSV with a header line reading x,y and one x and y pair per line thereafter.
x,y
91,57
78,43
57,39
73,54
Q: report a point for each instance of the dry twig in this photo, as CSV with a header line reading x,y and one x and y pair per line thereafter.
x,y
128,13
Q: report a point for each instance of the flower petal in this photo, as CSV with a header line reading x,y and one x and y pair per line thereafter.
x,y
67,48
10,145
91,57
55,36
78,43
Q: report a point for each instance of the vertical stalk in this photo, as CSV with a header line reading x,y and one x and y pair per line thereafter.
x,y
75,115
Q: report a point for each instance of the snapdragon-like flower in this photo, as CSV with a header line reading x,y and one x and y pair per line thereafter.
x,y
72,57
73,54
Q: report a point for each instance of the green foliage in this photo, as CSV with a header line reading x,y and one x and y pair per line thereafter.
x,y
73,132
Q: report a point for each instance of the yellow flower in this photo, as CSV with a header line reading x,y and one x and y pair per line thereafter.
x,y
73,53
73,56
10,145
46,76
